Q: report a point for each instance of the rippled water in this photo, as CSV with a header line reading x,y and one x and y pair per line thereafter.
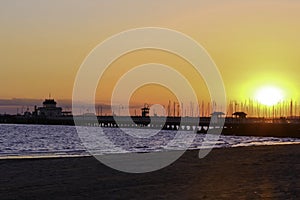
x,y
44,140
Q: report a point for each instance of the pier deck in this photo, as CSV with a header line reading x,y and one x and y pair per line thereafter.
x,y
232,126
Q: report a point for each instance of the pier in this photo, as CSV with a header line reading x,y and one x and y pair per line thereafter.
x,y
236,124
280,127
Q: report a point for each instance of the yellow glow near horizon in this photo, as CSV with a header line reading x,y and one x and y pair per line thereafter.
x,y
269,95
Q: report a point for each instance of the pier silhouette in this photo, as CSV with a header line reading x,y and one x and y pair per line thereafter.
x,y
238,123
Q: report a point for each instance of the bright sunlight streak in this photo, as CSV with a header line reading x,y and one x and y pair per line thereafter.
x,y
269,95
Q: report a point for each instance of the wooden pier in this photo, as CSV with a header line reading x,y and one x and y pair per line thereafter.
x,y
232,126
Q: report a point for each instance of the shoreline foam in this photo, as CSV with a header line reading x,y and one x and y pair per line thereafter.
x,y
55,156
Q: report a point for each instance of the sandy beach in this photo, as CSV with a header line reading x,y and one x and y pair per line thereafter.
x,y
262,172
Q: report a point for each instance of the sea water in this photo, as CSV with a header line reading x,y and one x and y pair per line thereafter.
x,y
26,141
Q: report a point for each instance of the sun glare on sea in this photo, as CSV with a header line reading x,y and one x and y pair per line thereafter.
x,y
269,96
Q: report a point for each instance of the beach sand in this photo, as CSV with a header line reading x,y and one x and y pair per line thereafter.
x,y
261,172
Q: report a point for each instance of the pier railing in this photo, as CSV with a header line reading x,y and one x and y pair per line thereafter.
x,y
278,127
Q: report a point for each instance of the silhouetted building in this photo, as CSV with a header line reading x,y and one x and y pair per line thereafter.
x,y
216,116
240,115
49,109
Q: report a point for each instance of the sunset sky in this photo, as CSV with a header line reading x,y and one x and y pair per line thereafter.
x,y
254,43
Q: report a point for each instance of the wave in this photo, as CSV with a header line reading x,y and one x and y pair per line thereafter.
x,y
43,141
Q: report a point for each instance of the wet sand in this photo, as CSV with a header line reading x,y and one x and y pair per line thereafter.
x,y
263,172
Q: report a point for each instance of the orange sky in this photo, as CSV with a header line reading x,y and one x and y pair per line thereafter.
x,y
253,43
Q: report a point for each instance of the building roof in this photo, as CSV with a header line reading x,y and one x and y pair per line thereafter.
x,y
239,113
217,113
49,101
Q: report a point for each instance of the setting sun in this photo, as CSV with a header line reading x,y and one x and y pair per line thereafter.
x,y
269,95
